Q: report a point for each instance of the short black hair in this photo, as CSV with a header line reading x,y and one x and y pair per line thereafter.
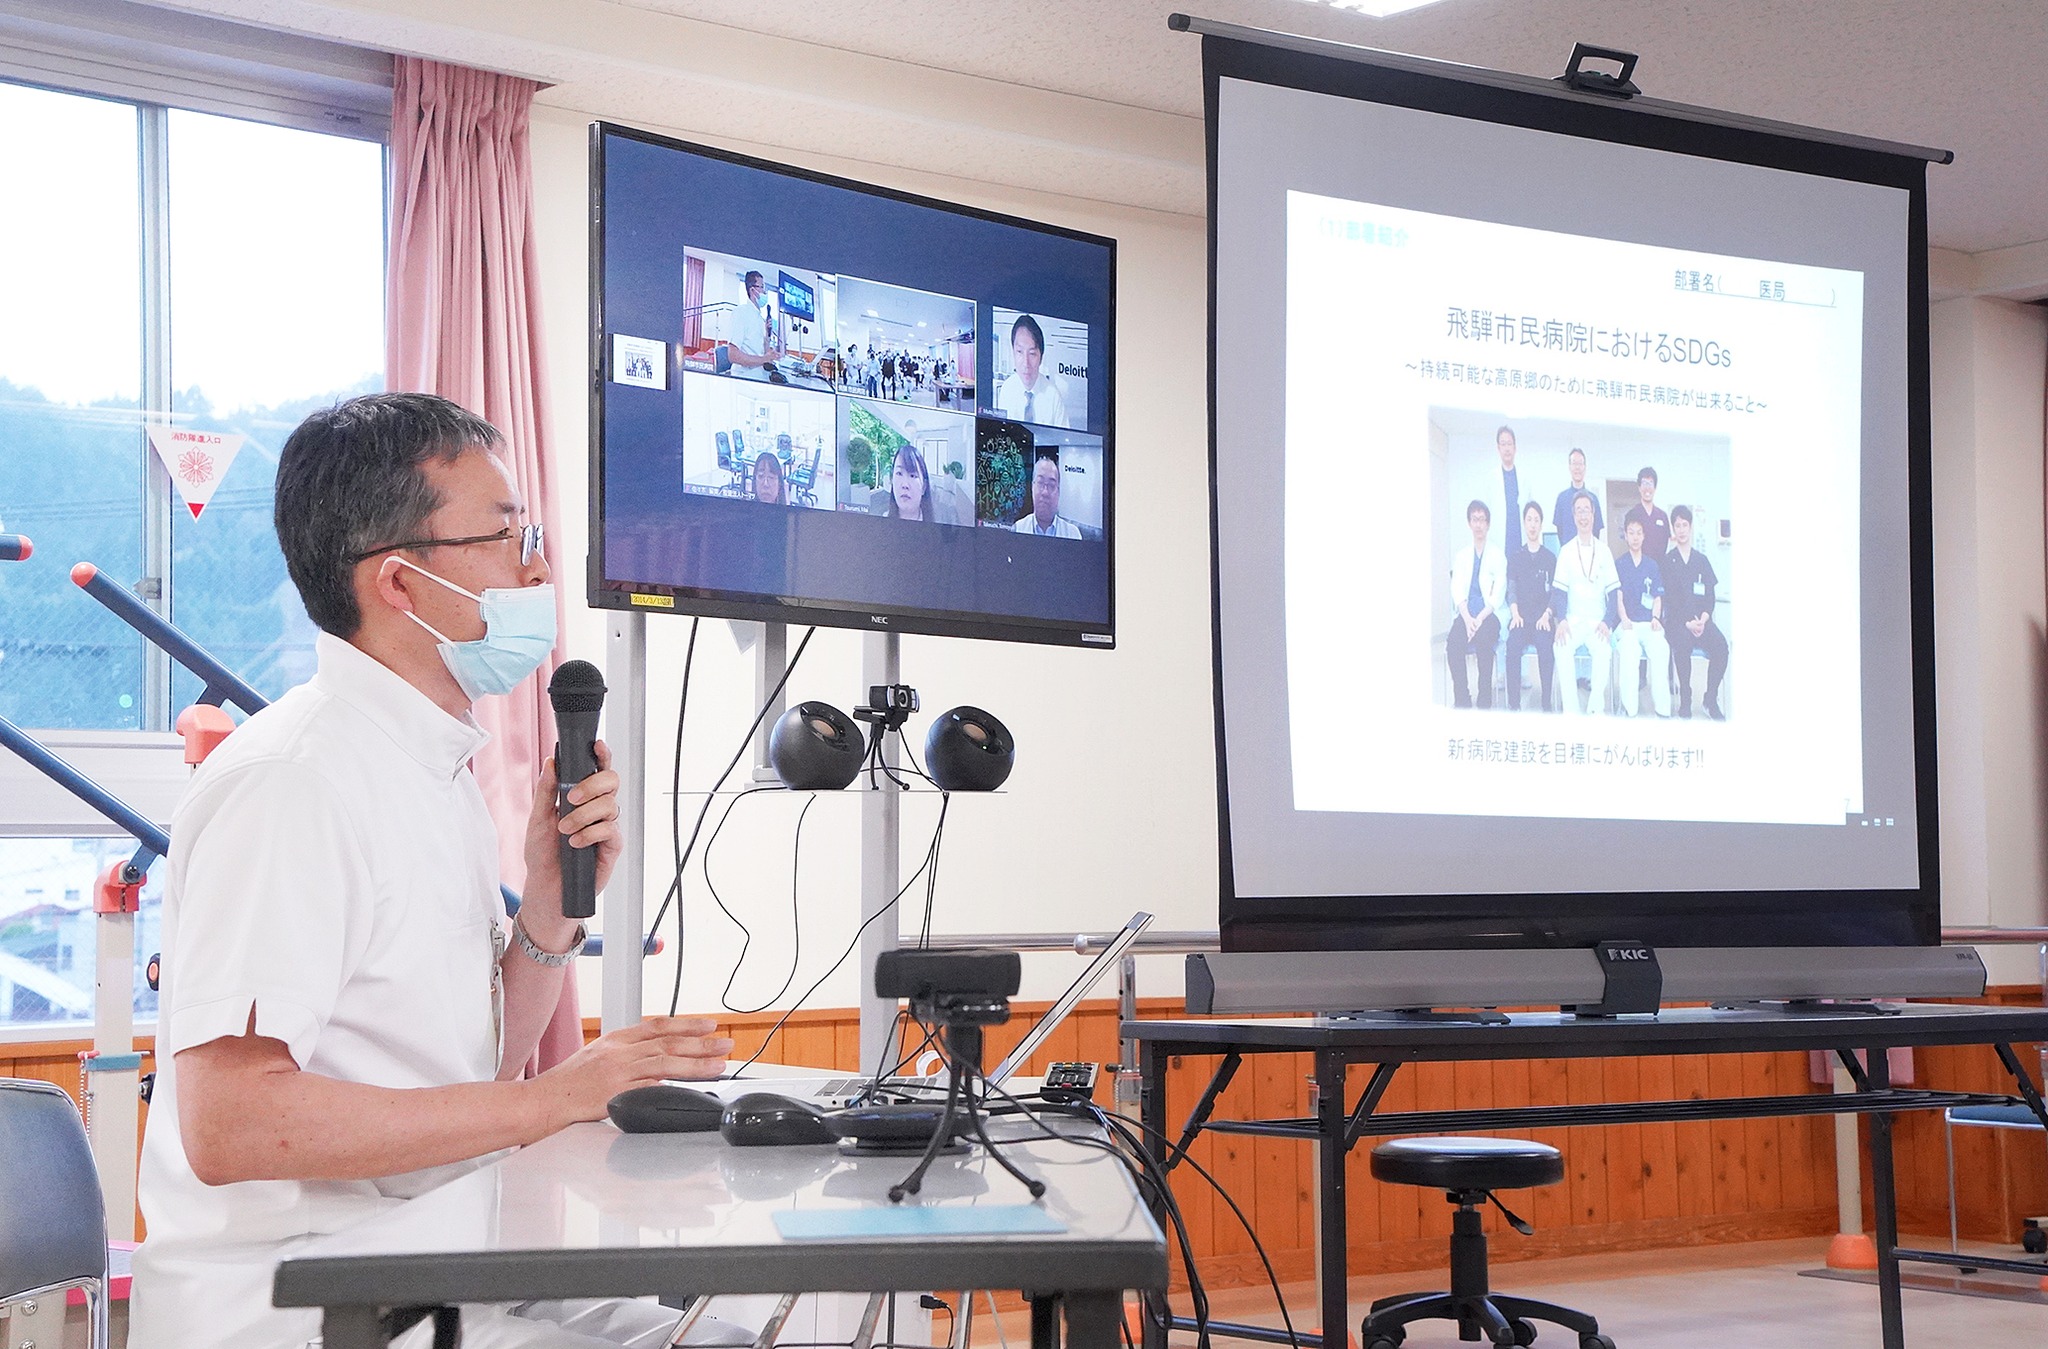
x,y
751,277
1535,506
1681,512
1026,323
1482,508
350,479
1509,432
1051,452
1576,450
1647,472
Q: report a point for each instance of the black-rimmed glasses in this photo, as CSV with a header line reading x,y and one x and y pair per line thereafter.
x,y
529,537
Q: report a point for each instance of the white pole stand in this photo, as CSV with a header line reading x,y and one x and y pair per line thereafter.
x,y
1852,1248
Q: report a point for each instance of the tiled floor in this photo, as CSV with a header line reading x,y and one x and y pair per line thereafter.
x,y
1709,1297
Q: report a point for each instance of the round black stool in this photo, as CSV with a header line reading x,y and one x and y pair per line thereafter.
x,y
1468,1171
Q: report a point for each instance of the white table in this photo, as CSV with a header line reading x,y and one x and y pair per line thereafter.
x,y
592,1212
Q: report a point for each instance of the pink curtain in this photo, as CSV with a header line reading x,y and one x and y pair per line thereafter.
x,y
462,320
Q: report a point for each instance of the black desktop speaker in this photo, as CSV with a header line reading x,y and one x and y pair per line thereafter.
x,y
967,750
816,747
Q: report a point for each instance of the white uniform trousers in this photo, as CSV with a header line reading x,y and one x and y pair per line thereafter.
x,y
1637,644
1599,662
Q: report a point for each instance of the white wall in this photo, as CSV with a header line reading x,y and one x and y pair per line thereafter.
x,y
1991,614
1112,805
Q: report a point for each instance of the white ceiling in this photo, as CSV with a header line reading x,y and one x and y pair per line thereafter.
x,y
1107,101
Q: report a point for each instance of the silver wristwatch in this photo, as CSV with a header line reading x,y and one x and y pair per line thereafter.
x,y
548,959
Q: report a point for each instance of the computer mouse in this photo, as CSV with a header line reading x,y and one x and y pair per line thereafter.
x,y
665,1108
763,1119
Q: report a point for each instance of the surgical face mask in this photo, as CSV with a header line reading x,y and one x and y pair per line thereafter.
x,y
519,631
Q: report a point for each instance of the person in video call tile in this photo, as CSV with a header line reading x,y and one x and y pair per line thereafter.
x,y
908,493
1586,600
1028,393
768,488
1640,638
1532,571
1478,585
1561,516
1045,518
1656,524
1689,583
748,342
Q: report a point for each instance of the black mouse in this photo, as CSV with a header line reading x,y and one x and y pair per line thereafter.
x,y
762,1119
664,1108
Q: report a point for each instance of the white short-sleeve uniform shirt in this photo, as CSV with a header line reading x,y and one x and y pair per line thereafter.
x,y
333,868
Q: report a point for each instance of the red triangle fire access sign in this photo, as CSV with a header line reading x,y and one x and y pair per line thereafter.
x,y
196,460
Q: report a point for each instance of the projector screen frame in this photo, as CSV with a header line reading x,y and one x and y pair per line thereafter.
x,y
1699,918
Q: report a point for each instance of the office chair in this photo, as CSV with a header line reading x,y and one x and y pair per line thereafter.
x,y
2018,1118
1468,1171
803,478
53,1221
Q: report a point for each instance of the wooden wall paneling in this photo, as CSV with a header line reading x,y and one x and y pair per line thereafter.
x,y
1279,1203
1186,1080
1764,1188
1622,1080
1585,1154
1230,1162
1436,1089
1730,1191
1400,1214
1654,1079
1694,1163
1366,1201
1551,1206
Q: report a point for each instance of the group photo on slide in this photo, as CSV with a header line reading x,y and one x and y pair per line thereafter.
x,y
1585,569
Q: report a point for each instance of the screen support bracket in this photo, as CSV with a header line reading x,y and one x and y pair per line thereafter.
x,y
1634,981
1616,85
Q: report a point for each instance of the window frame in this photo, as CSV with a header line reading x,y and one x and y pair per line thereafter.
x,y
156,62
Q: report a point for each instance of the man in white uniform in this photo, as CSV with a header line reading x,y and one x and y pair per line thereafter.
x,y
345,1010
750,346
1028,393
1590,588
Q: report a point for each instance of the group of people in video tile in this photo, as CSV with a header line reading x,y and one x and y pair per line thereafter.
x,y
1653,604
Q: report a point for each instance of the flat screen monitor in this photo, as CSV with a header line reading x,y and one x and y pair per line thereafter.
x,y
1496,369
816,401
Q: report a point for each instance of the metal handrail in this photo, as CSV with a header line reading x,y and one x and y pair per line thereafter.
x,y
1176,943
1081,943
1995,936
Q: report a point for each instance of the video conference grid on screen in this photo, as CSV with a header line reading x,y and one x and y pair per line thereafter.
x,y
829,393
1547,414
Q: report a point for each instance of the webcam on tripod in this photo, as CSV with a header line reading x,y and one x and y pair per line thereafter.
x,y
951,988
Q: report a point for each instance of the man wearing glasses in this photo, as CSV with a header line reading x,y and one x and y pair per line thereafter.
x,y
346,1011
752,345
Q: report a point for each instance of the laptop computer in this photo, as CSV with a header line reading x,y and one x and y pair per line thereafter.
x,y
826,1087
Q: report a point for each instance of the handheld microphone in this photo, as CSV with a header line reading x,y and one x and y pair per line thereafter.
x,y
577,691
15,547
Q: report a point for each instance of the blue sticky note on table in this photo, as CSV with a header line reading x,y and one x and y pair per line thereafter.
x,y
915,1220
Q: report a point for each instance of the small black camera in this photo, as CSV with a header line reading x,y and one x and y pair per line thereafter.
x,y
888,705
970,987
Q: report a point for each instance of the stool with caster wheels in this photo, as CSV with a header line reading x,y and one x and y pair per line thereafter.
x,y
1468,1171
